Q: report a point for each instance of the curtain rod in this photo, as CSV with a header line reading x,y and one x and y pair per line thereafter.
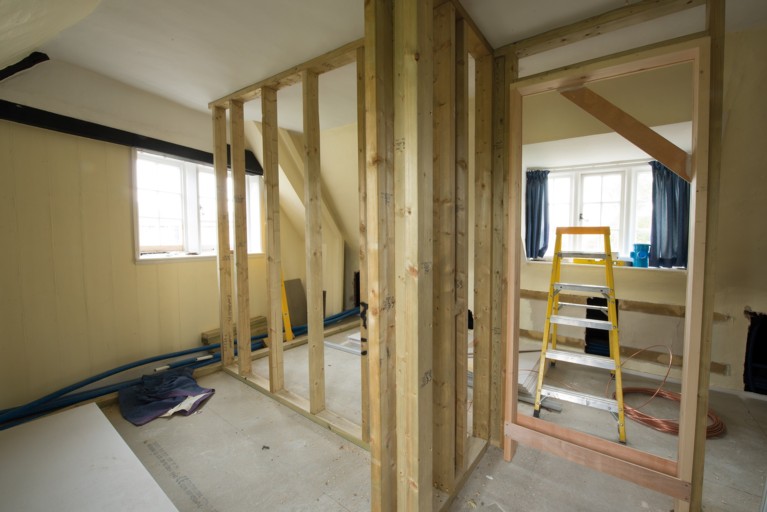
x,y
620,163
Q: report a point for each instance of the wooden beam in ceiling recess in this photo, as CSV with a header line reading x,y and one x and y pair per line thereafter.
x,y
645,10
673,157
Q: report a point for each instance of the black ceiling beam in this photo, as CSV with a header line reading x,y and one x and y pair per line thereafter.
x,y
33,59
64,124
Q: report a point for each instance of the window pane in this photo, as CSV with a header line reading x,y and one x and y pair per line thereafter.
x,y
644,187
592,189
159,189
612,187
611,216
592,215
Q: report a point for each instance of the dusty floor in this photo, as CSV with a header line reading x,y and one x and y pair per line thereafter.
x,y
243,451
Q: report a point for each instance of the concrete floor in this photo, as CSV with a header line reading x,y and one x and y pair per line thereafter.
x,y
243,451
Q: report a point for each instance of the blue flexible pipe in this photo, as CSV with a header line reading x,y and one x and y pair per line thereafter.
x,y
57,399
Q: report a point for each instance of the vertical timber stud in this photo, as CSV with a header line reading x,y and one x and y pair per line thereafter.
x,y
379,118
715,21
692,447
312,200
362,192
504,70
483,233
224,254
273,249
513,113
444,247
237,134
414,215
461,243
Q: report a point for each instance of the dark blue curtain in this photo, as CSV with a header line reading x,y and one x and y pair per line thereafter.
x,y
537,214
670,218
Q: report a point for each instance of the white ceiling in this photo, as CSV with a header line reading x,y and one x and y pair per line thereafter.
x,y
195,51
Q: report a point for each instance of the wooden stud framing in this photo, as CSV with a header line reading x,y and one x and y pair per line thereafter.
x,y
413,152
483,241
224,254
704,205
461,244
644,10
715,21
444,347
631,129
504,71
313,204
362,191
514,254
329,61
237,134
610,459
379,118
273,249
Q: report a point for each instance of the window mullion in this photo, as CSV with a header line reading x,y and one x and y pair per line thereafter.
x,y
191,210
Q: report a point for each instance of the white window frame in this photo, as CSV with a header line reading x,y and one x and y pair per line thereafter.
x,y
630,171
191,211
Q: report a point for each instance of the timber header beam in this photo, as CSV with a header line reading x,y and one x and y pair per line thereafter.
x,y
645,10
346,54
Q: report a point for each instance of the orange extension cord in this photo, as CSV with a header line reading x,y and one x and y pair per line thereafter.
x,y
715,428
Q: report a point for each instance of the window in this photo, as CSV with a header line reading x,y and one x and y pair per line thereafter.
x,y
176,208
619,196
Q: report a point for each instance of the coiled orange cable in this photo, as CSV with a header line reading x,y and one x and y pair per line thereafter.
x,y
715,428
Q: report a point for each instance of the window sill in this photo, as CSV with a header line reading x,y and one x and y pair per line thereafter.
x,y
618,268
148,259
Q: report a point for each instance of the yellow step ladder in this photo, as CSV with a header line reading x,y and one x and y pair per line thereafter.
x,y
286,312
554,318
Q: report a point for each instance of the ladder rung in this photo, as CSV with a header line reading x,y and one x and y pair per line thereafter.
x,y
589,288
605,363
597,402
581,322
591,255
585,306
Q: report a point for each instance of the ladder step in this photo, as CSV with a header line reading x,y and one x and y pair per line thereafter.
x,y
589,288
597,402
581,322
576,254
584,306
605,363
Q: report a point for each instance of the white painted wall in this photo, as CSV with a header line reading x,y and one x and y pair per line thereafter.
x,y
741,278
69,90
74,302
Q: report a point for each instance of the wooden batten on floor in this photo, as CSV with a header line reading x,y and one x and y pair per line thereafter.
x,y
362,192
273,249
379,116
237,134
461,244
313,204
444,347
224,258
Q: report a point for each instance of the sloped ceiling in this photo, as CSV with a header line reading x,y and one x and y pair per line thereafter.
x,y
27,24
195,51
